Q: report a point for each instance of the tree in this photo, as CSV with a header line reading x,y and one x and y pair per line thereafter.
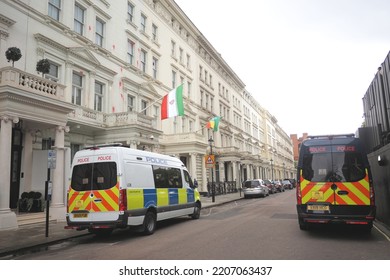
x,y
13,54
43,66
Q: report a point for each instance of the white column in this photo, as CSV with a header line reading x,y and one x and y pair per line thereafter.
x,y
57,206
193,167
7,217
235,174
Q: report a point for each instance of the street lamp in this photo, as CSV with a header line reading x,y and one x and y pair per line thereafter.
x,y
211,171
272,170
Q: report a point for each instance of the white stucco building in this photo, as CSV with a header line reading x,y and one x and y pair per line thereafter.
x,y
111,63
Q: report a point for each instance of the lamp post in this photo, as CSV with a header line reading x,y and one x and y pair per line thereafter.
x,y
272,170
211,171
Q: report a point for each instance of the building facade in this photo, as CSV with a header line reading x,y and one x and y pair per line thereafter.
x,y
111,62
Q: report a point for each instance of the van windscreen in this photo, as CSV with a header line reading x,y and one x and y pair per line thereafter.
x,y
94,176
336,163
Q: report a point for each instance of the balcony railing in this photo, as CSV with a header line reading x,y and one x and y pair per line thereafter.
x,y
10,76
89,116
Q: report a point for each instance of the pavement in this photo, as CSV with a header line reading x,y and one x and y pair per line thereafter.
x,y
32,234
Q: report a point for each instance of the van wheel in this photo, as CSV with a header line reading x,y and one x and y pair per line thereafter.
x,y
196,214
149,225
303,225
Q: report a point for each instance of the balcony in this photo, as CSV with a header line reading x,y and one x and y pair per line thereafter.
x,y
96,118
17,79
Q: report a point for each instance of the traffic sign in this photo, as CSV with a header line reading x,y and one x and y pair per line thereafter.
x,y
210,161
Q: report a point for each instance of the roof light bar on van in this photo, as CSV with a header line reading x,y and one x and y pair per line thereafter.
x,y
95,147
331,136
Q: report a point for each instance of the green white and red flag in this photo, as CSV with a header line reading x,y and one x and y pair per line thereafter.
x,y
172,104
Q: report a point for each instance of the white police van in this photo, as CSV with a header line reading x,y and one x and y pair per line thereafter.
x,y
114,187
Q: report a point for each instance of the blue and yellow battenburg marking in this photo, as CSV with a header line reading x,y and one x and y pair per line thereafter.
x,y
144,198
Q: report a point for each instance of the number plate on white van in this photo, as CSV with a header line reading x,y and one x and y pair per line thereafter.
x,y
318,207
80,215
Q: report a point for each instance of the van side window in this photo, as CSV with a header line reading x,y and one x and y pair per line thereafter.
x,y
94,176
167,177
188,180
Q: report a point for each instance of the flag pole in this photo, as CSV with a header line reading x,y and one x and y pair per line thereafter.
x,y
154,102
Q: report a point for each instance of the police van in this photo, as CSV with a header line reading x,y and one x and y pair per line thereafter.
x,y
334,183
113,186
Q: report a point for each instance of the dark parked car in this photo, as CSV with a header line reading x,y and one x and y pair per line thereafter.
x,y
279,186
287,184
271,186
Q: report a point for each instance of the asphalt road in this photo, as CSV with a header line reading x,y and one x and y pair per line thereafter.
x,y
249,229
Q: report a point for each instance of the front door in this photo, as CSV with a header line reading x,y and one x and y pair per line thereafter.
x,y
16,159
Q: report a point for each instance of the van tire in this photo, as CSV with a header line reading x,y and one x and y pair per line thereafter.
x,y
149,225
196,214
303,225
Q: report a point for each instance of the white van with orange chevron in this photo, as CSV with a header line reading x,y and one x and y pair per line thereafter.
x,y
334,182
113,186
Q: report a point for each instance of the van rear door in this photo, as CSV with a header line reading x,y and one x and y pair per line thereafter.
x,y
94,190
334,174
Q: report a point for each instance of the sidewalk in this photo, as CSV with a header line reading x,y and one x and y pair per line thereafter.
x,y
32,235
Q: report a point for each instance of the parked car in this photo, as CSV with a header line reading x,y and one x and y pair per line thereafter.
x,y
287,184
255,187
279,186
271,186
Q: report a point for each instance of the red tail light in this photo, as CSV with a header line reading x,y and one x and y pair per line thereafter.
x,y
372,195
299,193
122,200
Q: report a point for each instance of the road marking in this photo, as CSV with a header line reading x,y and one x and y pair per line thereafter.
x,y
384,234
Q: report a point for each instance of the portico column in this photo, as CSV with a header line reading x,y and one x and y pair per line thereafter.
x,y
7,217
203,188
57,206
193,166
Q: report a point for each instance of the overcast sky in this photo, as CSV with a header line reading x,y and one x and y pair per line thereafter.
x,y
308,62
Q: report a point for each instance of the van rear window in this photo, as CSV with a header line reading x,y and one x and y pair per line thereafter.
x,y
333,164
94,176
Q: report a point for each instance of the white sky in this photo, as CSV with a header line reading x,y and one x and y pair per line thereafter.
x,y
308,62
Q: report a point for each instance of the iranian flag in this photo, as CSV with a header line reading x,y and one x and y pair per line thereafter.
x,y
172,104
213,123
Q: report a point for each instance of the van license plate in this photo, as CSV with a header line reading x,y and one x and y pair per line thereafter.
x,y
80,215
318,207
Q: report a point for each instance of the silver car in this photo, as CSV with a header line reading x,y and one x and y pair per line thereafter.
x,y
255,187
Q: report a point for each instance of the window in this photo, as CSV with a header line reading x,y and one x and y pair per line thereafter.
x,y
173,48
173,79
188,61
74,148
144,105
99,32
94,176
53,72
130,103
143,23
79,15
143,61
98,106
130,12
54,9
130,51
166,177
155,67
77,87
154,32
181,55
189,89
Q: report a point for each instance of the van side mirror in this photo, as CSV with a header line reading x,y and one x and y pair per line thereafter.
x,y
382,160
